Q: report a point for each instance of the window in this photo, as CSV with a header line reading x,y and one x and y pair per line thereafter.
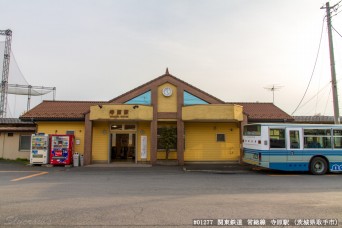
x,y
338,139
171,137
294,140
220,137
70,132
190,99
10,134
252,130
129,127
144,99
25,142
277,138
116,127
121,127
317,138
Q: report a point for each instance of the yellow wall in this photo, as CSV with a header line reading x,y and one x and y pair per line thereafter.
x,y
144,128
167,104
212,112
100,144
201,145
61,128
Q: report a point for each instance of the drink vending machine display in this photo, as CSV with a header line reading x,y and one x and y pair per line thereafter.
x,y
39,149
62,148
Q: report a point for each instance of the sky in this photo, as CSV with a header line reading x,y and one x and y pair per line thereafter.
x,y
232,49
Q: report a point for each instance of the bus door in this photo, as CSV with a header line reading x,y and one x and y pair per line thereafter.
x,y
294,144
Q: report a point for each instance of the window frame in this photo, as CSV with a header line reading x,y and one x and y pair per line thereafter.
x,y
309,135
122,127
284,137
20,143
221,134
337,137
68,132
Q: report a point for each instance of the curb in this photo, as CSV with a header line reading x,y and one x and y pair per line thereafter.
x,y
217,171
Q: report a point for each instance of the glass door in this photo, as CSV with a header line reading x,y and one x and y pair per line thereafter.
x,y
294,144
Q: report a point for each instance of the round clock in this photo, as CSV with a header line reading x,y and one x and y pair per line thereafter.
x,y
167,91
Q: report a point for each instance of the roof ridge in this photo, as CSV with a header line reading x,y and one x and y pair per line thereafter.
x,y
247,102
71,101
136,88
167,74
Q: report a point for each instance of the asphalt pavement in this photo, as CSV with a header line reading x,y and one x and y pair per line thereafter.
x,y
230,167
161,196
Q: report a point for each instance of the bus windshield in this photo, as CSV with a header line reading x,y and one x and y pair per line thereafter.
x,y
252,130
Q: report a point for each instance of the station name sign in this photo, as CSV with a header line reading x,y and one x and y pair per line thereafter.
x,y
118,113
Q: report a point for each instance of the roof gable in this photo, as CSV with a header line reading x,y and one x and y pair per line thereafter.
x,y
166,78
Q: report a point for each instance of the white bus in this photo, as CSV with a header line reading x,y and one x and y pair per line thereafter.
x,y
294,147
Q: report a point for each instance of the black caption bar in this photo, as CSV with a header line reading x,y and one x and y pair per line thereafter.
x,y
265,222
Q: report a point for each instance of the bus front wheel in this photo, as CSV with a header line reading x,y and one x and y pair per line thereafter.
x,y
318,166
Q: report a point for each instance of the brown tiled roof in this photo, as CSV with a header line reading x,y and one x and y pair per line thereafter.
x,y
314,119
60,110
6,121
17,129
16,125
267,112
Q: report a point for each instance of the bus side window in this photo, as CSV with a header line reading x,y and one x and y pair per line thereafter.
x,y
338,138
294,140
277,138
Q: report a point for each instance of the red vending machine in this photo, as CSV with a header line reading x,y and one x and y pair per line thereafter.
x,y
62,149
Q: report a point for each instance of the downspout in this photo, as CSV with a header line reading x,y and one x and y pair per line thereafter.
x,y
3,147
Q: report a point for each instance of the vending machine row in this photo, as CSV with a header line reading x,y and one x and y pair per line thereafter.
x,y
53,149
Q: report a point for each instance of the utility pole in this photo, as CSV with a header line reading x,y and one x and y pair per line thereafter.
x,y
332,65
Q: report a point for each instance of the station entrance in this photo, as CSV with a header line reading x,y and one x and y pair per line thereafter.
x,y
123,143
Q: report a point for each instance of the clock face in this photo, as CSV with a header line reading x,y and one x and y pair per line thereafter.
x,y
167,91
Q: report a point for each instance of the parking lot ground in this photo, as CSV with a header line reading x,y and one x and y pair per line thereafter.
x,y
160,196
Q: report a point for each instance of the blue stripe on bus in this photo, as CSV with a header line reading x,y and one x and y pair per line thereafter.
x,y
286,152
297,165
290,166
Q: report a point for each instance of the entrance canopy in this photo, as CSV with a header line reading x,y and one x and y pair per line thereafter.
x,y
121,112
212,113
207,113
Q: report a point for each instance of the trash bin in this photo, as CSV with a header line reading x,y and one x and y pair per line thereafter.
x,y
82,160
76,159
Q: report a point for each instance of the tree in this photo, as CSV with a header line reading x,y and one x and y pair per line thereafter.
x,y
168,139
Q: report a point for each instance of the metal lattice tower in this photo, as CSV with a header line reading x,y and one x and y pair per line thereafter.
x,y
5,72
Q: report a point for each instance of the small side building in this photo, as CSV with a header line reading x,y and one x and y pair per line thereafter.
x,y
15,138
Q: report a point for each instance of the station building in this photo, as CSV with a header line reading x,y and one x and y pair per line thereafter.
x,y
128,127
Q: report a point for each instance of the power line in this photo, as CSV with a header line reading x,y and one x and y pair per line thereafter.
x,y
321,90
319,47
336,13
336,31
326,104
